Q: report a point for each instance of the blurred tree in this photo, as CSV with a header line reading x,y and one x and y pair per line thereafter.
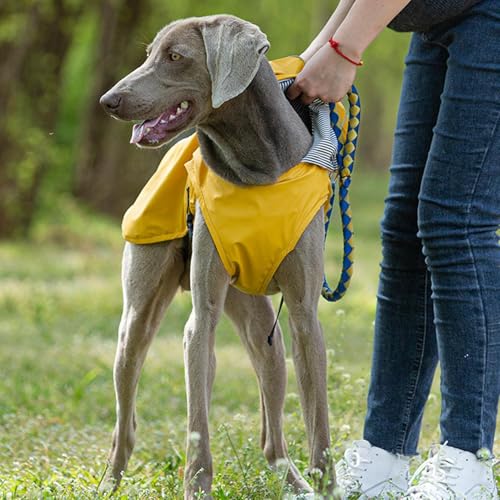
x,y
59,56
33,46
108,169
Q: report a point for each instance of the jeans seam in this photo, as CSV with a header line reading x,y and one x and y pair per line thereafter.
x,y
471,251
406,417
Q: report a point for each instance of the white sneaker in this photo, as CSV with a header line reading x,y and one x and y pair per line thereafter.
x,y
450,474
370,472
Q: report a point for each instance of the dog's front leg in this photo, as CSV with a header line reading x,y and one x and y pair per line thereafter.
x,y
254,318
309,355
150,278
300,277
209,283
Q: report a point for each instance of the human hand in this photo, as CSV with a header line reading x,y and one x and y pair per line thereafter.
x,y
326,76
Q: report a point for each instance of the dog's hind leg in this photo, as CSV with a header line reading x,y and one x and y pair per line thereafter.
x,y
150,278
254,318
299,278
209,284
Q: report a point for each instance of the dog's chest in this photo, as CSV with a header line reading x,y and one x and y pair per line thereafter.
x,y
254,228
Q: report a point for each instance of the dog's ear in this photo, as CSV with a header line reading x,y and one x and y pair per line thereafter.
x,y
234,51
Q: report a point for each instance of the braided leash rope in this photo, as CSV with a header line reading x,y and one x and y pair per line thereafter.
x,y
347,135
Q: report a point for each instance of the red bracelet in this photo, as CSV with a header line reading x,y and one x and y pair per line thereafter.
x,y
335,46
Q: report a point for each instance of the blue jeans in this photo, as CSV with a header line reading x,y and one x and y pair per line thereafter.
x,y
439,290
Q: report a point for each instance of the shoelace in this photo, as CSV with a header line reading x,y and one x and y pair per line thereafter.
x,y
434,476
349,471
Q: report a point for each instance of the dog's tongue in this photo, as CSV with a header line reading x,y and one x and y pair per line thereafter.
x,y
141,129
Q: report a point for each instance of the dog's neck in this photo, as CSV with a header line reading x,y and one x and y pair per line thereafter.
x,y
255,137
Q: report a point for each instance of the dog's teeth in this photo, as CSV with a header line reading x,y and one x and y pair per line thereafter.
x,y
179,110
163,121
184,105
148,130
171,117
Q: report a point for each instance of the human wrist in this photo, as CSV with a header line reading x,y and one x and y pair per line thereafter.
x,y
348,47
340,51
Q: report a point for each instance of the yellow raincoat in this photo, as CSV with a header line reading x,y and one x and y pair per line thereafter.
x,y
253,227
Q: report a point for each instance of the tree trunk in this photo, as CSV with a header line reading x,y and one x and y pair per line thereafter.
x,y
30,73
109,170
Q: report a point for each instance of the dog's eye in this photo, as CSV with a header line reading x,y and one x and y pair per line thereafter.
x,y
173,56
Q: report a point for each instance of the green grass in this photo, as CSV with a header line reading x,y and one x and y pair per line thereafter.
x,y
60,303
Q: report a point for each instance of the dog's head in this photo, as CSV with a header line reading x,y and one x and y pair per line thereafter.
x,y
193,66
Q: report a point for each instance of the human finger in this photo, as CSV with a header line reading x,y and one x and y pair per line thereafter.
x,y
307,99
293,91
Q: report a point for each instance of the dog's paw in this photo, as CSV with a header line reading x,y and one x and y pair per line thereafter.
x,y
108,485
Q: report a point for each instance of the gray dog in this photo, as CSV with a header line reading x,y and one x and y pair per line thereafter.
x,y
209,72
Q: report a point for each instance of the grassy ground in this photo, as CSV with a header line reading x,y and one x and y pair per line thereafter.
x,y
60,303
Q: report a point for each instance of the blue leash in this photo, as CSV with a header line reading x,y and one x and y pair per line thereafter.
x,y
345,159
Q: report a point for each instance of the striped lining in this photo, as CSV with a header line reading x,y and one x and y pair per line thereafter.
x,y
316,116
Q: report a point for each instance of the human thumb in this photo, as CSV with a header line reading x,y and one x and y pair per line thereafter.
x,y
293,91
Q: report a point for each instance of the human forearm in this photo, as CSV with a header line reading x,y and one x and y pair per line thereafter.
x,y
355,23
328,29
327,74
364,21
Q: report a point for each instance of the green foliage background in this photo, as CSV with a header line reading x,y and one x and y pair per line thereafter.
x,y
290,25
60,297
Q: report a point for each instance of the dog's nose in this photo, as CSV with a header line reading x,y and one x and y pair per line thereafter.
x,y
111,101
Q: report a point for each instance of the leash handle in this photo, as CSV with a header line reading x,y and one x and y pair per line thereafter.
x,y
345,159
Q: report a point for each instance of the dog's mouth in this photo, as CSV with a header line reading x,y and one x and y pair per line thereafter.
x,y
156,131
